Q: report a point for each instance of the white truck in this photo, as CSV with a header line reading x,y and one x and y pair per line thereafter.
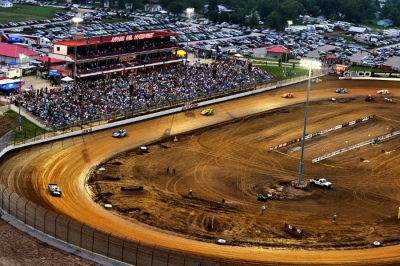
x,y
11,73
322,182
54,190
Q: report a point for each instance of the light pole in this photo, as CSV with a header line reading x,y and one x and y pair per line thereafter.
x,y
76,20
21,56
311,64
289,23
189,11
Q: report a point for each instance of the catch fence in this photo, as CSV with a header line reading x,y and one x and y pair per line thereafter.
x,y
92,239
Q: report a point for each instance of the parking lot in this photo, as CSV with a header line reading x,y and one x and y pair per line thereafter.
x,y
222,37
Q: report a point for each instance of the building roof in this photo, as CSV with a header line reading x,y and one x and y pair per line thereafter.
x,y
10,50
277,49
357,29
46,59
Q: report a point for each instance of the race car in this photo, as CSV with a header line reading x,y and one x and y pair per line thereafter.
x,y
221,241
119,134
287,95
316,80
369,98
382,92
208,111
341,90
54,190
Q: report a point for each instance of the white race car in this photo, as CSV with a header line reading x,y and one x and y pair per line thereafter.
x,y
119,134
341,90
221,241
382,92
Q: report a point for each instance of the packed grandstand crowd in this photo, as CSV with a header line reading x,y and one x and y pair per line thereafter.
x,y
170,85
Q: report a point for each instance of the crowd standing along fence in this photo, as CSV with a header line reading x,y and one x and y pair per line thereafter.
x,y
92,239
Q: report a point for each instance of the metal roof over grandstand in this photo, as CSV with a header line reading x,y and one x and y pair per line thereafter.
x,y
83,41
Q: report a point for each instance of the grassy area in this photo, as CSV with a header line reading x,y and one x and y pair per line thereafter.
x,y
272,67
28,129
26,12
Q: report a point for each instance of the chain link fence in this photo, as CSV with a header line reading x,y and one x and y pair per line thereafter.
x,y
92,239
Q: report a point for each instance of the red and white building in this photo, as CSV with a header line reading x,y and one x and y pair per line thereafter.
x,y
11,53
112,54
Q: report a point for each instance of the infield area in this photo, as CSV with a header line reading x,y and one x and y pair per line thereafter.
x,y
230,162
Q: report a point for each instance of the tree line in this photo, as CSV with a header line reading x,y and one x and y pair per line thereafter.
x,y
276,13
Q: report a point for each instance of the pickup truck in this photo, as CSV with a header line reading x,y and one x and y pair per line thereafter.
x,y
322,182
54,190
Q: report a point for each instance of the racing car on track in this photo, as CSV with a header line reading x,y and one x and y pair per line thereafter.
x,y
54,190
369,98
287,95
208,111
119,134
341,90
316,80
382,92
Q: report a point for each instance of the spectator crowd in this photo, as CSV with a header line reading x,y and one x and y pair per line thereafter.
x,y
169,85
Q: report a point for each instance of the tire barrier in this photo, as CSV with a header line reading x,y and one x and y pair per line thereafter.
x,y
282,145
355,146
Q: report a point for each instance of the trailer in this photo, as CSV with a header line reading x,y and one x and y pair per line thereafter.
x,y
27,40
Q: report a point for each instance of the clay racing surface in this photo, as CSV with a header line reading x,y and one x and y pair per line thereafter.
x,y
230,161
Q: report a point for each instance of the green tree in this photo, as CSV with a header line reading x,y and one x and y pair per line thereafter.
x,y
198,5
213,16
224,17
358,10
266,7
213,5
233,18
274,21
253,21
176,8
331,8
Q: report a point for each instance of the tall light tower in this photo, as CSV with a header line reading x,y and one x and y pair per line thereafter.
x,y
310,64
189,12
289,23
76,20
21,57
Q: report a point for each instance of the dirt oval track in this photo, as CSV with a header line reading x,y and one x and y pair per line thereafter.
x,y
68,163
